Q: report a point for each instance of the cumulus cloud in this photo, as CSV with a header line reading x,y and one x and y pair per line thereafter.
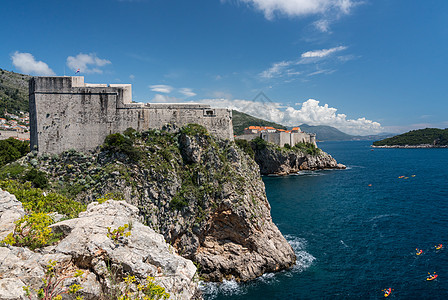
x,y
161,88
26,63
322,53
87,63
187,92
296,8
310,112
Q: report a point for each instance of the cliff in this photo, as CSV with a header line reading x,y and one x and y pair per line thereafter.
x,y
205,196
282,161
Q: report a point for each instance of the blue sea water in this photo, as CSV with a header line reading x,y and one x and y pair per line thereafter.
x,y
352,240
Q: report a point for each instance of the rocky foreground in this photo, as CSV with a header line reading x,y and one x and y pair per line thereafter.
x,y
85,245
283,161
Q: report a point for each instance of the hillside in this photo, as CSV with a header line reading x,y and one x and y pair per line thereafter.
x,y
326,133
429,136
241,120
13,92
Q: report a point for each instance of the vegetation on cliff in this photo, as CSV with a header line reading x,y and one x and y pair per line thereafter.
x,y
203,194
429,136
273,159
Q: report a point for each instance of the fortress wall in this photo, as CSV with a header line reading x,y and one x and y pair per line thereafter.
x,y
78,118
66,113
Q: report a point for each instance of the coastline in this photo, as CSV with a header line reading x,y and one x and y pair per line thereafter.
x,y
411,146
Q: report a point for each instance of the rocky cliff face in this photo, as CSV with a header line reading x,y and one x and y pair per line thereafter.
x,y
273,160
205,196
86,246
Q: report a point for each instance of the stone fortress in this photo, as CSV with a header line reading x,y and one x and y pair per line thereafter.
x,y
66,113
279,137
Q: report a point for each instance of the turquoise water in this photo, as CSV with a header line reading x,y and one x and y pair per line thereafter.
x,y
352,240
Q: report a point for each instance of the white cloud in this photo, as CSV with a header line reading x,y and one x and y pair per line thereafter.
x,y
87,63
322,53
295,8
26,63
161,88
310,113
187,92
276,69
165,99
323,25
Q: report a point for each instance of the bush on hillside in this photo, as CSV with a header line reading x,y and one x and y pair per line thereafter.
x,y
245,146
122,143
12,149
258,143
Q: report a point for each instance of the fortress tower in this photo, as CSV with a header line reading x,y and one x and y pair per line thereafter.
x,y
66,113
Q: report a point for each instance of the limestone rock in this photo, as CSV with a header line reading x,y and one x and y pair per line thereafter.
x,y
10,211
86,246
282,162
144,253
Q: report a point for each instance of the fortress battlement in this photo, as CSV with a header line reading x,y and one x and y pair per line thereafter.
x,y
67,113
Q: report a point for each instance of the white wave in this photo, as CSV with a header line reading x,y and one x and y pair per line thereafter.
x,y
211,290
383,216
304,259
342,242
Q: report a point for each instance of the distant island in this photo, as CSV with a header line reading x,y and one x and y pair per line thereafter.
x,y
422,138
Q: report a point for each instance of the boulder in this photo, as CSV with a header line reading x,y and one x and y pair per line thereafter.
x,y
11,210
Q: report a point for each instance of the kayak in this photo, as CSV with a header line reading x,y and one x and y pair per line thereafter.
x,y
419,252
432,277
438,247
387,292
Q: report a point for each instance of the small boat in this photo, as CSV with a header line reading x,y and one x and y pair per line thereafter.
x,y
432,277
387,292
419,251
438,247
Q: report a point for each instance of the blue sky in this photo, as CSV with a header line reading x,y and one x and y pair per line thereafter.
x,y
364,67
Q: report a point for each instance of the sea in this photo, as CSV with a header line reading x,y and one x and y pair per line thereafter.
x,y
355,232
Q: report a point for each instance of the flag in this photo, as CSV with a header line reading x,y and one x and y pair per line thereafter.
x,y
77,71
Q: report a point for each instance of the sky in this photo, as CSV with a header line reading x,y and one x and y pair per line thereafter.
x,y
362,66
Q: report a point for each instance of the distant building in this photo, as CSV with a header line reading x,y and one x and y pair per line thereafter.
x,y
280,137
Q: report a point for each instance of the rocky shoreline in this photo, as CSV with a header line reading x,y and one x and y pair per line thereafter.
x,y
273,161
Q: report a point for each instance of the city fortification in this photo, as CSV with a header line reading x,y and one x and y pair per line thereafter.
x,y
66,113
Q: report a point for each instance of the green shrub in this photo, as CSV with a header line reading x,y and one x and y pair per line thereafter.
x,y
121,143
55,276
36,200
12,171
121,231
31,231
37,178
194,129
245,146
12,149
258,143
308,148
178,202
147,290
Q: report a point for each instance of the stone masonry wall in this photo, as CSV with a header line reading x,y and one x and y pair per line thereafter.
x,y
66,113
